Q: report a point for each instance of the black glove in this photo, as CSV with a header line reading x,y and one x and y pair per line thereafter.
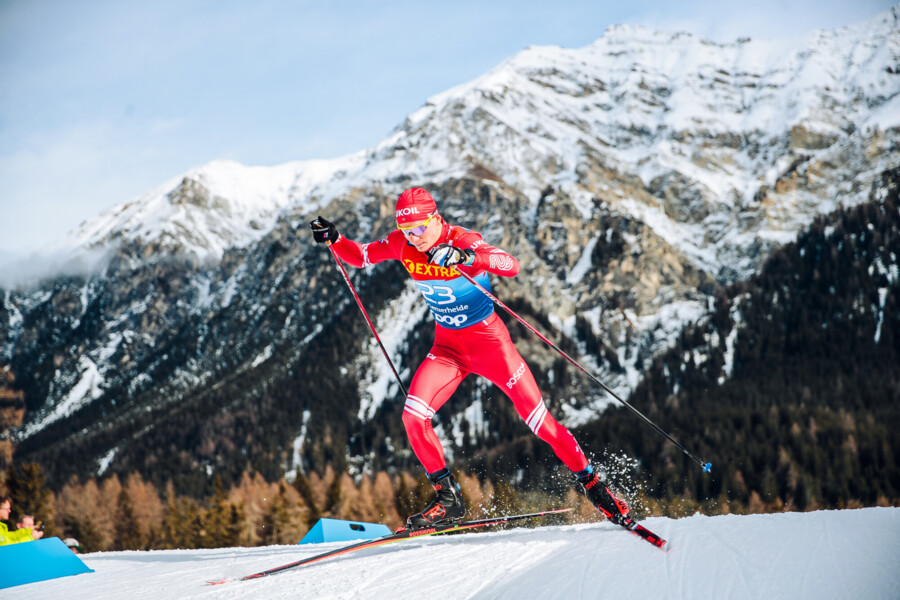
x,y
446,255
324,232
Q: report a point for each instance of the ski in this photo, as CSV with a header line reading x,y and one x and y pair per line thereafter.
x,y
647,535
400,534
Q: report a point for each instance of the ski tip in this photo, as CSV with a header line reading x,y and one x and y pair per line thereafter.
x,y
218,581
707,467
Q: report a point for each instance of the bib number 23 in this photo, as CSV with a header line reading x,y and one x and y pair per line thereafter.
x,y
437,294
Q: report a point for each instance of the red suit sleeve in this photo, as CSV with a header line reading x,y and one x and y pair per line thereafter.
x,y
488,258
359,255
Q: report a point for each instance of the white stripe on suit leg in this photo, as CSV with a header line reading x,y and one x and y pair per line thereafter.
x,y
417,407
537,417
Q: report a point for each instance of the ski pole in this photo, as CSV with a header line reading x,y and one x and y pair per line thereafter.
x,y
366,315
705,465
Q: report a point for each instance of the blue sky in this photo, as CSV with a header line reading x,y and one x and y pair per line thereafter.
x,y
102,101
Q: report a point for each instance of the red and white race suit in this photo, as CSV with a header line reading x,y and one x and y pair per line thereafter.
x,y
469,338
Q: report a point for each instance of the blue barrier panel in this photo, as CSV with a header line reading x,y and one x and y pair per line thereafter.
x,y
27,562
335,530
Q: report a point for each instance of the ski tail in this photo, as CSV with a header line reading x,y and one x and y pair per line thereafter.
x,y
401,534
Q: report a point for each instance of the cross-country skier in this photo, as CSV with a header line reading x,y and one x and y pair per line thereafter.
x,y
469,338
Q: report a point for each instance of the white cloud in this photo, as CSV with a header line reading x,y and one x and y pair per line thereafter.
x,y
25,271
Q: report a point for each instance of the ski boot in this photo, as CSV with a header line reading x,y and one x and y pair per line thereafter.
x,y
447,507
600,496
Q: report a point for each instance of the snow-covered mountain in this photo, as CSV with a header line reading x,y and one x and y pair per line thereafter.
x,y
795,556
209,209
716,133
631,177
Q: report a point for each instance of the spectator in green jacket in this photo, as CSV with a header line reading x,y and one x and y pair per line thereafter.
x,y
27,522
7,537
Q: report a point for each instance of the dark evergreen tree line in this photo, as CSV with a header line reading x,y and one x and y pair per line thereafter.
x,y
807,416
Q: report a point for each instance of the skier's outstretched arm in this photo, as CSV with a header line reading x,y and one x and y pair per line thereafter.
x,y
352,253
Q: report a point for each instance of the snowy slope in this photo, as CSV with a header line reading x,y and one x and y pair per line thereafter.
x,y
821,555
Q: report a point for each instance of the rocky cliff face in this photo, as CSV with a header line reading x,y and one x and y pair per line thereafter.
x,y
631,178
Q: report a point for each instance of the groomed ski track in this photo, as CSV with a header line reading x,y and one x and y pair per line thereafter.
x,y
818,555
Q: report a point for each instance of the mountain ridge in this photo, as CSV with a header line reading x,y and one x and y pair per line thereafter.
x,y
651,74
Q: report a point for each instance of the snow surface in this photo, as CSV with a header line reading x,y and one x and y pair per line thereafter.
x,y
819,555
